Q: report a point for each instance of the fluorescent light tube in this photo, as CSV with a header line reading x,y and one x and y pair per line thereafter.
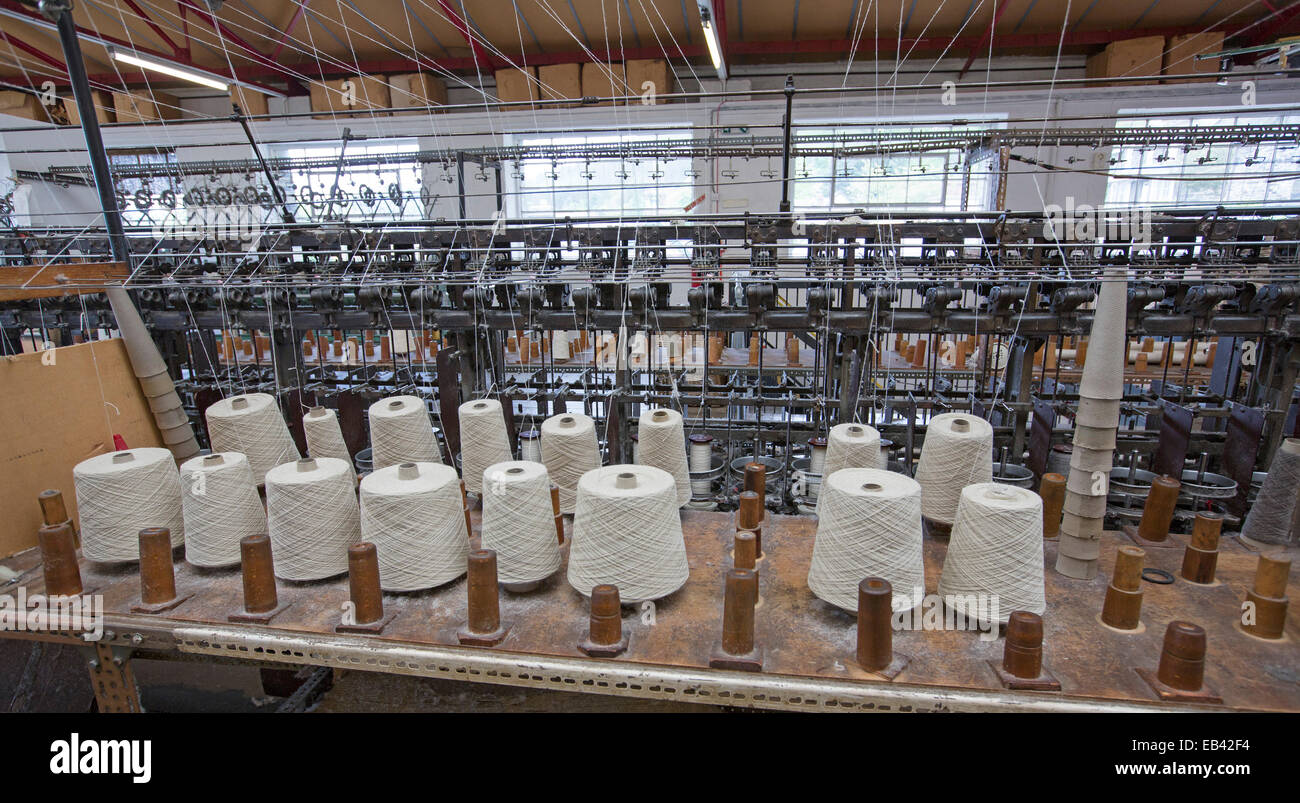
x,y
711,38
172,70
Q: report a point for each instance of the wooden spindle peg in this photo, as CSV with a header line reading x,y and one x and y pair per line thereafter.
x,y
1052,490
1158,512
483,628
875,648
750,517
1201,559
918,354
53,511
745,551
555,513
605,635
261,603
59,560
464,502
1022,655
367,610
756,478
1264,614
157,574
737,649
1181,672
1122,608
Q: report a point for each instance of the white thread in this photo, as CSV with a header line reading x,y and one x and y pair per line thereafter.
x,y
324,436
661,442
121,493
816,468
251,424
958,451
412,513
530,446
483,440
518,521
560,345
312,518
869,525
996,550
1270,517
700,460
851,446
569,450
400,432
220,502
627,531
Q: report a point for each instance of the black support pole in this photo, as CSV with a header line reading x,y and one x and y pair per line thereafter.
x,y
787,125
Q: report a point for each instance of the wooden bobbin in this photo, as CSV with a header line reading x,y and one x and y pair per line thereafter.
x,y
483,628
756,478
157,574
1022,655
1122,609
1158,512
1268,598
1202,556
605,635
555,513
1052,490
875,647
737,649
261,603
53,511
1181,672
745,552
367,615
750,517
59,560
464,501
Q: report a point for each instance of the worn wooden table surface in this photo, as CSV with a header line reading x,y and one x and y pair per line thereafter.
x,y
800,634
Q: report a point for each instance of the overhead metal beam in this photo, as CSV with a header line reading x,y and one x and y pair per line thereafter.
x,y
458,22
34,51
131,4
986,38
286,34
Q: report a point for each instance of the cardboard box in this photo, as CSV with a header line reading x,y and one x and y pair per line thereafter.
x,y
357,92
250,100
1129,57
417,89
655,72
1180,55
22,104
60,407
604,81
104,108
514,85
560,82
137,107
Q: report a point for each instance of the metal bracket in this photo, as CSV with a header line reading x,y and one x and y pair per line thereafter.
x,y
113,680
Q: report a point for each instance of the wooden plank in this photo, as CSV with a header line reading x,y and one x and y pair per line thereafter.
x,y
50,281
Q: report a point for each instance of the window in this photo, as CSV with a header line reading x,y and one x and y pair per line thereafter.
x,y
388,190
605,186
915,181
148,201
1206,175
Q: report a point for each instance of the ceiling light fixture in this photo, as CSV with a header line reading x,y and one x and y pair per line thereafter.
x,y
711,38
170,69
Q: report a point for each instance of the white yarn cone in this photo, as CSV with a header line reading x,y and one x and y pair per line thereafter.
x,y
121,493
560,345
251,424
661,442
324,436
312,517
400,432
518,521
627,531
869,525
957,451
1103,372
413,515
851,446
569,450
530,446
1270,517
996,550
483,441
221,505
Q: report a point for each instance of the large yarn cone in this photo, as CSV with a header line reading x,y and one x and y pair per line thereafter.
x,y
661,442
